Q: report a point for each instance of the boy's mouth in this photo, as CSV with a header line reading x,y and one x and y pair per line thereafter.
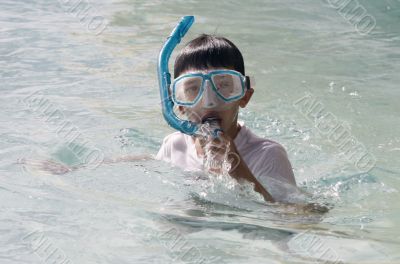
x,y
210,116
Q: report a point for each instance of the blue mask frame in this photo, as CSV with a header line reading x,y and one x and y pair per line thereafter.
x,y
164,77
208,77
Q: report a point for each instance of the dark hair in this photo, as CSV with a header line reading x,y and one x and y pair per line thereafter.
x,y
208,51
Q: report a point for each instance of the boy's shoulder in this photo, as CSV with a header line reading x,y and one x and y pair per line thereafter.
x,y
266,158
249,141
175,138
176,141
166,149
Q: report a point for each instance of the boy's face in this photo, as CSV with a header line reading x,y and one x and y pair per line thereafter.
x,y
210,105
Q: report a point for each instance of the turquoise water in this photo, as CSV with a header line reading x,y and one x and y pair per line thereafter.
x,y
79,87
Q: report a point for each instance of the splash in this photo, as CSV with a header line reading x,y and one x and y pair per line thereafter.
x,y
216,151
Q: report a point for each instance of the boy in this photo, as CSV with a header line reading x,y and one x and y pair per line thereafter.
x,y
207,70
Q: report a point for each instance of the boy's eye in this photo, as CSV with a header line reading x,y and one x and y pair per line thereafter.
x,y
187,89
190,85
191,89
223,82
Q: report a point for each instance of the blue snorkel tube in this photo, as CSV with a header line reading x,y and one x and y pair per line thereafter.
x,y
164,77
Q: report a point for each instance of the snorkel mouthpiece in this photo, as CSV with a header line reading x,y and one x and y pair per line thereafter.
x,y
213,126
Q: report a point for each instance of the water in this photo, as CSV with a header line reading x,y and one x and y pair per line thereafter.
x,y
71,87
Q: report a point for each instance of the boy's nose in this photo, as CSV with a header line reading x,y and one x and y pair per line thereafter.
x,y
209,99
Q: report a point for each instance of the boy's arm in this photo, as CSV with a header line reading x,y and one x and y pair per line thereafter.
x,y
284,169
240,171
58,168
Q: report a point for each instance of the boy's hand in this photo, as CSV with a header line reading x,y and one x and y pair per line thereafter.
x,y
215,150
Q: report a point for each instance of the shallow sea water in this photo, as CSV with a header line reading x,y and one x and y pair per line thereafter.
x,y
78,87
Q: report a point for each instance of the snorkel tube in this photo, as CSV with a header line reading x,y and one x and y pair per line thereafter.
x,y
164,77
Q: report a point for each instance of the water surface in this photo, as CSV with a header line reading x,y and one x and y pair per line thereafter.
x,y
102,86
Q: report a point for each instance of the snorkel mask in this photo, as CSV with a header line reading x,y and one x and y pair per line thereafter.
x,y
188,89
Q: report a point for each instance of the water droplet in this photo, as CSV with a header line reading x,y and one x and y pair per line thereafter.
x,y
355,94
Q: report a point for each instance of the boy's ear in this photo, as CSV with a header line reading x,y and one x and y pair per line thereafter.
x,y
246,98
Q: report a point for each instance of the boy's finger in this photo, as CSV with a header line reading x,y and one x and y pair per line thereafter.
x,y
216,149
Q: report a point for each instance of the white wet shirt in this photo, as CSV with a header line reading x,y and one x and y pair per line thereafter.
x,y
266,159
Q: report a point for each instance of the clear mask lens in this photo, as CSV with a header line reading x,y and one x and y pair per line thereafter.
x,y
187,90
228,86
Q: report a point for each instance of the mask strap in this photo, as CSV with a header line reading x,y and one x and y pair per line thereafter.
x,y
250,82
